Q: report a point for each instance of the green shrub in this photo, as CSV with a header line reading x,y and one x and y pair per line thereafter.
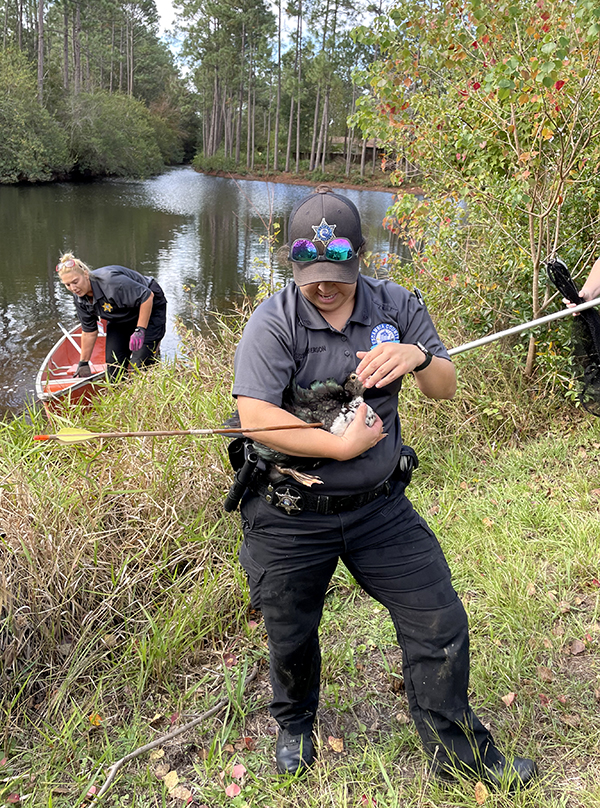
x,y
33,146
112,135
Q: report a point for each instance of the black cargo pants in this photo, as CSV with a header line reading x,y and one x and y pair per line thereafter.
x,y
396,558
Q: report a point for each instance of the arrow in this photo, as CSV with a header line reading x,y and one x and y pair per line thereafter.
x,y
70,435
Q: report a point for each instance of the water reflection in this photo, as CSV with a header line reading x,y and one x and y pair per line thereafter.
x,y
201,237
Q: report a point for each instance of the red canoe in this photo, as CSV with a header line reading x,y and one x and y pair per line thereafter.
x,y
55,383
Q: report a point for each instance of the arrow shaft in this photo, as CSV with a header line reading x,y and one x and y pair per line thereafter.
x,y
524,326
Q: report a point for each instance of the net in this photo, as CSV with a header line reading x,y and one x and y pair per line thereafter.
x,y
585,338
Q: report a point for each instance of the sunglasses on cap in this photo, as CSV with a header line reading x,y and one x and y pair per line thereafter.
x,y
304,251
65,264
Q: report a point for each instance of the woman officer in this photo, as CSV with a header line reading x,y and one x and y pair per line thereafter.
x,y
133,305
330,322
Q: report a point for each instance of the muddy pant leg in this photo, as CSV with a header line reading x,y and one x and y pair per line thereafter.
x,y
288,578
117,347
400,563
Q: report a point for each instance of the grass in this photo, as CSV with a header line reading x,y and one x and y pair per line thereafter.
x,y
120,600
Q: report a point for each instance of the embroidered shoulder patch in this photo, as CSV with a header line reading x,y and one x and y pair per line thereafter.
x,y
384,332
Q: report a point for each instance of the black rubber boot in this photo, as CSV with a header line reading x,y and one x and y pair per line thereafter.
x,y
294,753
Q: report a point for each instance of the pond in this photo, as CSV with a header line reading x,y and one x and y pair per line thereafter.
x,y
201,237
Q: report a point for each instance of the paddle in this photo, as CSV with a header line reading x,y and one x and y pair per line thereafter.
x,y
69,435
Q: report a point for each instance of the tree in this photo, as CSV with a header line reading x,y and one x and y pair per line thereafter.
x,y
498,104
33,146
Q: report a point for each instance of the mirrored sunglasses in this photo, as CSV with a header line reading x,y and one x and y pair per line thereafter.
x,y
303,250
65,265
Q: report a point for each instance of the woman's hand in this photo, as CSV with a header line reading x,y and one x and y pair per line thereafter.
x,y
387,362
359,437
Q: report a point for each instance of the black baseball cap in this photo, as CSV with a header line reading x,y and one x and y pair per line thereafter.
x,y
333,214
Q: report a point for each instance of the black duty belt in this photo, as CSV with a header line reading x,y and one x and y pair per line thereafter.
x,y
291,499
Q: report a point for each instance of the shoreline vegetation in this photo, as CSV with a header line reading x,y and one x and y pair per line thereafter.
x,y
378,181
125,614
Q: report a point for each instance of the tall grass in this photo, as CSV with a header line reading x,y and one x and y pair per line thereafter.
x,y
120,593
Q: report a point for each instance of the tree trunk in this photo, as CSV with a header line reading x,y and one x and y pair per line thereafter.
x,y
363,157
278,104
40,66
65,47
299,86
325,128
311,165
238,134
77,49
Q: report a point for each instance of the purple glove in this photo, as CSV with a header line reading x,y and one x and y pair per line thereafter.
x,y
137,339
83,371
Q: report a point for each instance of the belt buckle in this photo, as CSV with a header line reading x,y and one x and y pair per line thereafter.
x,y
288,498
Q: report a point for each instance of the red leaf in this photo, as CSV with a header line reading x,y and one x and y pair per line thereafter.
x,y
474,44
509,698
13,799
233,790
476,85
3,761
544,700
559,84
174,718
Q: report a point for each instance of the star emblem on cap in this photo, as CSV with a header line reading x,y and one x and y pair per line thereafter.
x,y
323,232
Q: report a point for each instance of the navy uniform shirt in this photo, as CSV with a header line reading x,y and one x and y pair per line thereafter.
x,y
287,337
118,294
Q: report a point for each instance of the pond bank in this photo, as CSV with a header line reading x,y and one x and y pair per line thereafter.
x,y
371,184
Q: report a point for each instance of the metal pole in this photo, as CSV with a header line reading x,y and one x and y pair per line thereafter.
x,y
524,326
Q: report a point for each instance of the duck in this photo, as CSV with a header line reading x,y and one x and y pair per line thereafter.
x,y
333,404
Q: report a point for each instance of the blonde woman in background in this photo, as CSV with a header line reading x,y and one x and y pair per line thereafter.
x,y
133,305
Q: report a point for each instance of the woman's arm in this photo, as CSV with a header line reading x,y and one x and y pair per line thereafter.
x,y
308,442
88,340
591,288
145,312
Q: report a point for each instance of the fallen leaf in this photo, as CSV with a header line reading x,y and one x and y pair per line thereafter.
x,y
433,510
156,754
174,718
245,743
545,674
158,718
337,744
92,792
402,718
233,790
544,700
509,698
564,606
13,799
228,748
203,754
481,793
597,694
368,801
530,589
171,779
161,770
562,699
95,720
229,660
252,624
180,793
238,771
487,521
3,761
571,720
577,647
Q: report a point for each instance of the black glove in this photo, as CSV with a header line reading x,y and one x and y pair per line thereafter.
x,y
83,370
136,341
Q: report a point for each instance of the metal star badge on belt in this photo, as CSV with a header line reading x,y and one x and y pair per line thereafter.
x,y
324,232
288,500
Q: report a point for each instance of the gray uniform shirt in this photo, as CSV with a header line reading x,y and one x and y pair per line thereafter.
x,y
118,294
287,337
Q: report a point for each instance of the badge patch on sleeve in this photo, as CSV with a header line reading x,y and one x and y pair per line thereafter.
x,y
384,332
